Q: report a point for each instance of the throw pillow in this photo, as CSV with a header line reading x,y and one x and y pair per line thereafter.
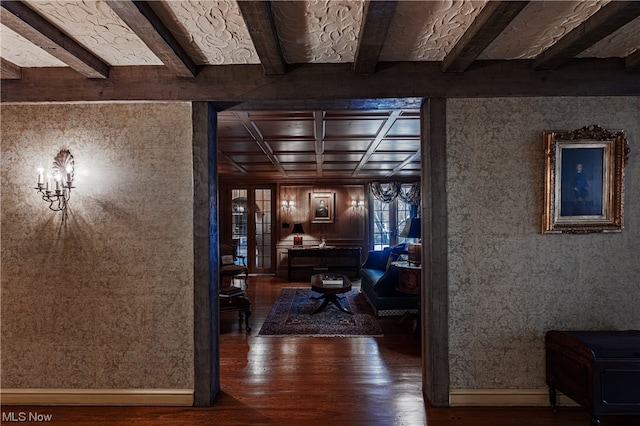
x,y
227,259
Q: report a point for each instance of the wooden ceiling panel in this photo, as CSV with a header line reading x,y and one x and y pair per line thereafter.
x,y
238,146
348,167
347,157
294,145
398,156
388,145
403,127
289,128
346,145
353,127
296,158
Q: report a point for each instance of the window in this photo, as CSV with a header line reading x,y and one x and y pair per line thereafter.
x,y
389,220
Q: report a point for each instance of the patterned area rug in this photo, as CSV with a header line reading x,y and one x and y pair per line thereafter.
x,y
291,316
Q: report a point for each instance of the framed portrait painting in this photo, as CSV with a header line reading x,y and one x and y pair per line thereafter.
x,y
321,206
584,180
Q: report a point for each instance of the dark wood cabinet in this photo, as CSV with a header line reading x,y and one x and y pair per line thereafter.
x,y
600,370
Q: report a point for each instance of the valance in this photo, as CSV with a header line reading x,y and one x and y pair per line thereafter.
x,y
387,192
411,196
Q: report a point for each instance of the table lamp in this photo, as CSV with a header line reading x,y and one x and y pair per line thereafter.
x,y
412,230
297,229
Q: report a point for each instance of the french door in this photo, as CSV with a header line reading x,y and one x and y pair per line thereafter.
x,y
251,226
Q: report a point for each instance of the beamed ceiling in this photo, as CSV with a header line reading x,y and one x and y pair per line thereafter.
x,y
316,89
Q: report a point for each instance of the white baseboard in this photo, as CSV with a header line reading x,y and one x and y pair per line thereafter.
x,y
505,397
158,397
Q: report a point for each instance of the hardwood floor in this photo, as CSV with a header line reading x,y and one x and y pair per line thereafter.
x,y
317,381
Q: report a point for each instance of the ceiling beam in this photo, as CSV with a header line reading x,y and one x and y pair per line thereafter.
x,y
259,20
144,21
609,18
9,70
632,62
224,157
319,133
376,142
326,86
494,17
376,19
26,22
413,157
264,146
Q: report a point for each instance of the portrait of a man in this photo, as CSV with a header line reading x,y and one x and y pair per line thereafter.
x,y
581,179
321,207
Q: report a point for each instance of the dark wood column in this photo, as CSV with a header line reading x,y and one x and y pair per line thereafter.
x,y
206,255
435,302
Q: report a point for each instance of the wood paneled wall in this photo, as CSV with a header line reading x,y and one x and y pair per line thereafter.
x,y
349,228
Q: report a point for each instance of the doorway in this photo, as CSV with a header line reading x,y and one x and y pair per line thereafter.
x,y
251,219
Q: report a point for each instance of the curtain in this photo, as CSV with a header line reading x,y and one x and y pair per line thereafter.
x,y
412,196
388,194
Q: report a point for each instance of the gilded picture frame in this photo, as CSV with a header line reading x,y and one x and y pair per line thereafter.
x,y
584,180
322,207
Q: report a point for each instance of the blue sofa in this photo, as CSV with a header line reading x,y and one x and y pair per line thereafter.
x,y
379,279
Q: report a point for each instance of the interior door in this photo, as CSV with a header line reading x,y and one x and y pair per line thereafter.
x,y
251,221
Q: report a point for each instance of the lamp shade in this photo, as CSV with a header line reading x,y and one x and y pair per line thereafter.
x,y
297,229
411,228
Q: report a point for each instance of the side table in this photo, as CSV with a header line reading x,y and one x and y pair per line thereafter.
x,y
410,282
240,304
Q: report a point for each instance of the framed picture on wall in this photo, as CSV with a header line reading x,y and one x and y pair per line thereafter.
x,y
584,180
321,206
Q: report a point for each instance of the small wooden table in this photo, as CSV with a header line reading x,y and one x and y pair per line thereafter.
x,y
241,304
409,281
330,293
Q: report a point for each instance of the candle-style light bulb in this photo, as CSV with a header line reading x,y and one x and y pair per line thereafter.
x,y
49,181
69,170
40,176
58,178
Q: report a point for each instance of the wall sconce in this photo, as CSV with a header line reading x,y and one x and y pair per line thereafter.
x,y
62,175
357,204
287,205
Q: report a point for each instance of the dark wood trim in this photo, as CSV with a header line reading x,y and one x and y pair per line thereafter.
x,y
435,286
318,131
608,19
388,124
259,140
153,32
632,62
376,21
308,86
494,17
26,22
9,70
205,256
259,20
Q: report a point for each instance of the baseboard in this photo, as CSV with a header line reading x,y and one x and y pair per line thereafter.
x,y
504,397
158,397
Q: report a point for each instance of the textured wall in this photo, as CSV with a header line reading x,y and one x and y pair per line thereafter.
x,y
104,300
508,283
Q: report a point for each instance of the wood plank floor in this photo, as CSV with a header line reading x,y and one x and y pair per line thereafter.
x,y
318,381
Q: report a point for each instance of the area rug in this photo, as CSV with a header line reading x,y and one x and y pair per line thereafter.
x,y
291,315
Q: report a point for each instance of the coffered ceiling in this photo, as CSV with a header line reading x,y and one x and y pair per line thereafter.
x,y
320,144
316,88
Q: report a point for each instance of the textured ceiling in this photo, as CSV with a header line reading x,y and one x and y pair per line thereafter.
x,y
214,32
98,38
